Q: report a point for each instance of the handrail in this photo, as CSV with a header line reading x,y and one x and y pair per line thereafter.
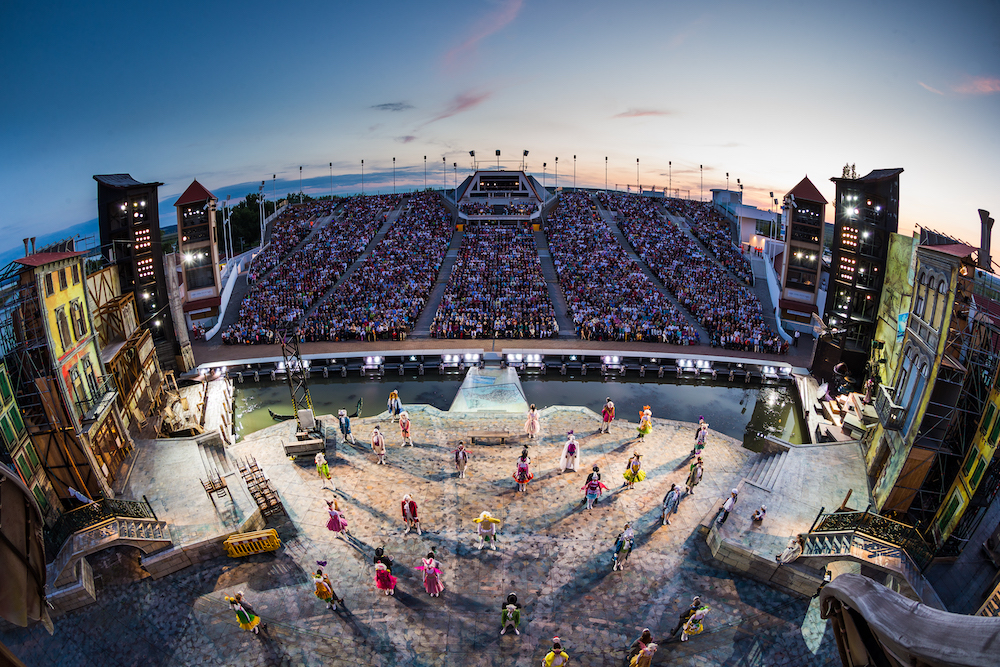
x,y
92,514
879,527
105,384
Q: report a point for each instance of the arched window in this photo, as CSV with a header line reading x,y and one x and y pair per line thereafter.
x,y
920,301
943,300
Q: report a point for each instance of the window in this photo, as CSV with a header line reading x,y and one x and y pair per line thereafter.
x,y
949,512
978,474
15,419
32,456
62,280
4,387
992,440
78,390
921,296
88,371
199,271
78,318
49,289
76,274
970,462
8,434
988,418
40,498
63,325
22,466
942,303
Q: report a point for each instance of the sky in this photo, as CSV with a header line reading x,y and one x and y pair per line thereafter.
x,y
235,93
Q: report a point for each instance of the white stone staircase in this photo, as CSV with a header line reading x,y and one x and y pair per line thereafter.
x,y
766,469
146,534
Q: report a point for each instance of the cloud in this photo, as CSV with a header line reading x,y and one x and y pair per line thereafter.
x,y
926,87
978,85
461,102
486,26
392,106
639,113
405,140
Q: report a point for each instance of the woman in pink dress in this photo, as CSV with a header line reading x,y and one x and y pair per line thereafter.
x,y
384,579
531,426
523,473
432,575
337,522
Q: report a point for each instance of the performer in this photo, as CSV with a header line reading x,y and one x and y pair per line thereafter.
x,y
644,658
432,575
644,640
384,579
461,459
404,428
686,614
531,426
345,425
759,514
670,502
245,615
378,445
623,547
593,488
633,471
645,422
557,657
410,514
523,473
699,438
322,468
510,615
794,549
393,405
337,522
568,459
487,530
694,475
694,624
380,557
324,590
607,416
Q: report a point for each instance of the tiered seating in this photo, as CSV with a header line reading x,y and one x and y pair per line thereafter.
x,y
728,310
713,230
384,296
608,295
287,231
496,288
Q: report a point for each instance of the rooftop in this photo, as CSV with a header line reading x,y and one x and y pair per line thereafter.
x,y
42,258
807,191
119,180
196,192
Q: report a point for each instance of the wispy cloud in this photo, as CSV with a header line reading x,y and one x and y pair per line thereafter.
x,y
639,113
405,140
979,85
461,102
486,26
392,106
928,88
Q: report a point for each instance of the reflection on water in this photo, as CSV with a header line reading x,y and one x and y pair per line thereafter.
x,y
741,411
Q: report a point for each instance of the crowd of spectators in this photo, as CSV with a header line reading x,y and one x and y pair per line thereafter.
x,y
280,298
713,230
484,208
382,299
287,231
607,294
496,288
729,311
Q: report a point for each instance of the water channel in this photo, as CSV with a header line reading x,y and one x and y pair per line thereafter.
x,y
747,412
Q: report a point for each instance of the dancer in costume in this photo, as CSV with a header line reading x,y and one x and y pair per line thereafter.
x,y
322,468
393,405
633,471
694,624
795,547
699,439
384,579
670,502
568,459
593,488
345,425
557,657
487,530
410,514
623,547
531,426
607,416
644,658
461,459
728,506
523,473
378,445
432,575
759,514
404,428
686,614
337,522
644,640
694,475
324,590
510,615
245,614
645,422
381,557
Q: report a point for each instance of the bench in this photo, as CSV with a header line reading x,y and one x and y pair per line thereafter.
x,y
495,435
305,447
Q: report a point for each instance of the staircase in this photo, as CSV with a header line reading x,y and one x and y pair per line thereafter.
x,y
422,328
566,327
766,469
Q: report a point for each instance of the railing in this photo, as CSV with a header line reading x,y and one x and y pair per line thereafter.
x,y
90,515
889,413
880,528
87,406
245,544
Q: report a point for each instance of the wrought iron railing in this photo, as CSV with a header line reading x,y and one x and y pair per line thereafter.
x,y
86,406
889,413
93,514
880,528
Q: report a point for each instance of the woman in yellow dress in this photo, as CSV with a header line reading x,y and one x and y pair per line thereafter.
x,y
645,422
633,471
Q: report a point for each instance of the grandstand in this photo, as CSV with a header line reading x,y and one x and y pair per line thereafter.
x,y
501,195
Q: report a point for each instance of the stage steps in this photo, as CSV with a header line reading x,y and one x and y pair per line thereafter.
x,y
766,469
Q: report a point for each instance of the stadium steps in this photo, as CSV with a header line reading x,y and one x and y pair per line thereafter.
x,y
566,327
616,232
422,329
684,225
320,224
393,216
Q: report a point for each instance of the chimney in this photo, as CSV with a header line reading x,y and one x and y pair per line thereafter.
x,y
984,242
26,253
32,245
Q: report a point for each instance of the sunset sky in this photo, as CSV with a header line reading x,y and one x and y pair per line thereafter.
x,y
231,93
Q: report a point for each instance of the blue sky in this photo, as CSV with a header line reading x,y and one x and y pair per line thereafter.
x,y
231,93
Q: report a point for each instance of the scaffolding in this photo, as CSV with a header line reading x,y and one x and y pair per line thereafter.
x,y
296,374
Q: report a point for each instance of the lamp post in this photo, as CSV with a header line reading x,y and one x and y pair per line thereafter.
x,y
574,173
524,154
393,175
638,188
425,172
300,185
362,178
701,170
498,159
444,175
605,175
557,173
670,172
455,165
544,165
331,181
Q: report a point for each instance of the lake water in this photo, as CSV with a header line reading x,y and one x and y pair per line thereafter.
x,y
747,412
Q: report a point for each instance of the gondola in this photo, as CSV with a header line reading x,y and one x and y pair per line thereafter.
x,y
280,418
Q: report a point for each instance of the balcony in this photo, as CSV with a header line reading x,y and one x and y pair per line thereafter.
x,y
101,397
890,414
